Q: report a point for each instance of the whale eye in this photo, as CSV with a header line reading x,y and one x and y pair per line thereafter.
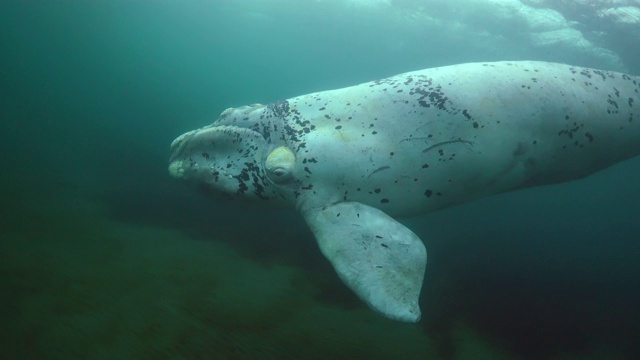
x,y
280,172
279,164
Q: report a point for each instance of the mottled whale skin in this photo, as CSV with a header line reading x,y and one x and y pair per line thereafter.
x,y
352,159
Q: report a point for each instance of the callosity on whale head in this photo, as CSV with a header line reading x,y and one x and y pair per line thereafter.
x,y
352,159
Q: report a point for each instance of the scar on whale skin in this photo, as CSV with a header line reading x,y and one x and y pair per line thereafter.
x,y
467,142
379,169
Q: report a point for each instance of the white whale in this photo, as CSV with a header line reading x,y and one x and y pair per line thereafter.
x,y
352,159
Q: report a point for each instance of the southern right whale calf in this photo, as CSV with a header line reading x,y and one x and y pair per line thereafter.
x,y
352,159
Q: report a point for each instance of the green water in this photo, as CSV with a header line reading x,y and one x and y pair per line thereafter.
x,y
104,256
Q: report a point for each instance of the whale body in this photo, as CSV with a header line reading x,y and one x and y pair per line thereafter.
x,y
352,159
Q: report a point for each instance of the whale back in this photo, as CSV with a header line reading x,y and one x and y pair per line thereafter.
x,y
429,139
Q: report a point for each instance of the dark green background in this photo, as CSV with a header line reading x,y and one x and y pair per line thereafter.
x,y
102,255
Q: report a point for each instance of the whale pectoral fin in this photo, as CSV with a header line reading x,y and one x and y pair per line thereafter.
x,y
381,260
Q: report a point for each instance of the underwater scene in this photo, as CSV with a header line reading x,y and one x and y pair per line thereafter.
x,y
107,253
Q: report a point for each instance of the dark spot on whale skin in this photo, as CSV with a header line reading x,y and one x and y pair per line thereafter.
x,y
431,96
601,73
569,133
377,191
279,108
338,127
242,188
384,201
383,244
466,114
475,125
428,193
630,102
589,136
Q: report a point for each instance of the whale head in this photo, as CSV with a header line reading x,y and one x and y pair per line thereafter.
x,y
235,157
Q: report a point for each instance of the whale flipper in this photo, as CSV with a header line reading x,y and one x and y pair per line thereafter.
x,y
381,260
